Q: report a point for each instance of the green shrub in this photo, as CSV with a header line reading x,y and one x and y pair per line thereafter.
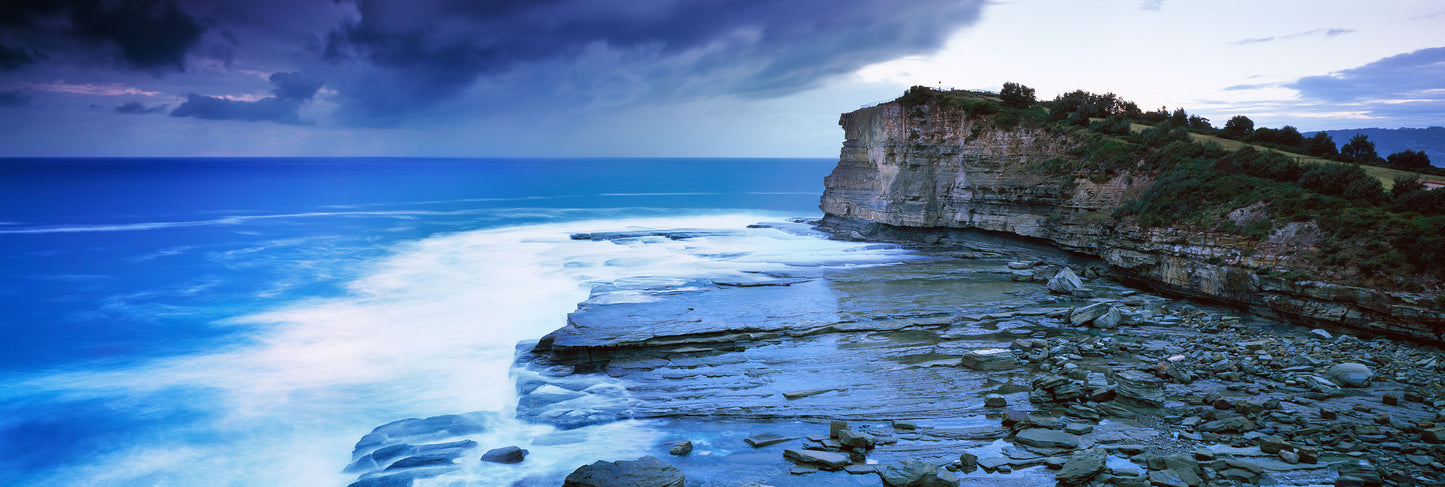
x,y
1114,125
917,95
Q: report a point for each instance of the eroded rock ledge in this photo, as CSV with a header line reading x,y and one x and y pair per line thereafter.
x,y
922,172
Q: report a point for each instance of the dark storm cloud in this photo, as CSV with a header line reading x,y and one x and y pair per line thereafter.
x,y
293,90
136,108
1416,75
13,58
13,99
149,35
414,55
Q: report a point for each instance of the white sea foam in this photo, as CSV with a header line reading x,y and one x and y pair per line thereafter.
x,y
428,330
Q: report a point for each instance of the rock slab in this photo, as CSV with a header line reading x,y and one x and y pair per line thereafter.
x,y
647,471
1045,438
826,460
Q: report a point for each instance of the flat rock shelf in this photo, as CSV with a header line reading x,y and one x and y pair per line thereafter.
x,y
964,361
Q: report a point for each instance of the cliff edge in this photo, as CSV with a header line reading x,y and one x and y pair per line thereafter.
x,y
926,170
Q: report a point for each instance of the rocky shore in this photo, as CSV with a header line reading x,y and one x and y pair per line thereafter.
x,y
980,361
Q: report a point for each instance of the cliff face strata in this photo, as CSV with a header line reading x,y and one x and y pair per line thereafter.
x,y
922,171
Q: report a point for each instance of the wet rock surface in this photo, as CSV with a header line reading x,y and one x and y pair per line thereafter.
x,y
948,366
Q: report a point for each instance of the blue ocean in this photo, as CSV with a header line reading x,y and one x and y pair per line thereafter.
x,y
213,321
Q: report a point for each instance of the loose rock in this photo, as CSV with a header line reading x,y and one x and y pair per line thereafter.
x,y
1351,374
510,454
1081,467
1065,282
681,448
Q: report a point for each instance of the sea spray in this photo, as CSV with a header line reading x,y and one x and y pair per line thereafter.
x,y
428,330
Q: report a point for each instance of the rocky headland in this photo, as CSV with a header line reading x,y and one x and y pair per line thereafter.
x,y
1028,339
918,172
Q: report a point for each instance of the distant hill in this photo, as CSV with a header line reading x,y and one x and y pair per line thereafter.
x,y
1389,141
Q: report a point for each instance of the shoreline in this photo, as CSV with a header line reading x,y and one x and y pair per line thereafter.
x,y
796,367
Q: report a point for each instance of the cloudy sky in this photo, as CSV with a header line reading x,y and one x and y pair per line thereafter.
x,y
665,77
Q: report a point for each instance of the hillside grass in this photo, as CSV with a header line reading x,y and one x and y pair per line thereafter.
x,y
1384,174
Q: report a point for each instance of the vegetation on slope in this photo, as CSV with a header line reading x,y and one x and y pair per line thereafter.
x,y
1252,182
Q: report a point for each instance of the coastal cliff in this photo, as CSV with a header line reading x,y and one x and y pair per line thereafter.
x,y
925,171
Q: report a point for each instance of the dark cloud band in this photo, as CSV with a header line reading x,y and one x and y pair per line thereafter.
x,y
146,34
292,91
416,55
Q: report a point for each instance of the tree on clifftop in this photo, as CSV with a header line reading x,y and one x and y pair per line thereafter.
x,y
1015,95
1179,118
1409,159
1237,127
1359,150
1320,145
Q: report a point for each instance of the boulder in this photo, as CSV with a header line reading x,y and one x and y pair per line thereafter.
x,y
1065,282
994,401
647,471
508,454
1110,319
967,461
1081,467
1351,374
914,473
853,439
681,448
1046,438
989,359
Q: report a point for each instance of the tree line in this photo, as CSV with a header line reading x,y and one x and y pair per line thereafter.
x,y
1081,108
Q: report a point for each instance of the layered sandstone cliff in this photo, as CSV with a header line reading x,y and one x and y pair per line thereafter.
x,y
924,170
